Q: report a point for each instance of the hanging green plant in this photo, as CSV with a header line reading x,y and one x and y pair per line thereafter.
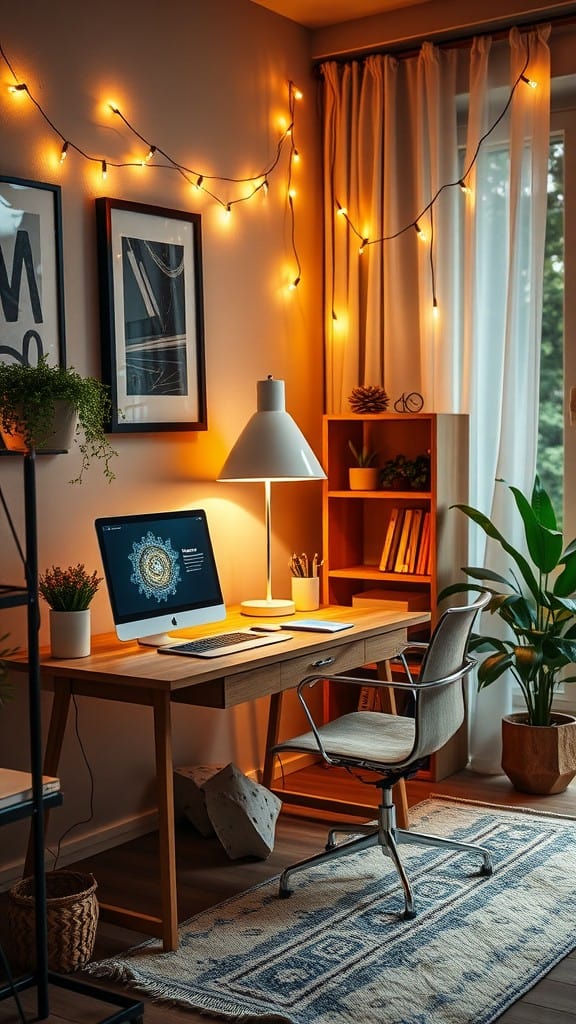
x,y
28,401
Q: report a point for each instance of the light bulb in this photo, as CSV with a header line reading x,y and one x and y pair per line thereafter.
x,y
296,156
104,170
465,188
15,89
292,193
435,308
342,211
421,234
64,153
529,81
298,94
363,246
150,154
294,284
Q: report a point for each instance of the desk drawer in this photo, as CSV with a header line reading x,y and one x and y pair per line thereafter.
x,y
340,658
387,645
244,686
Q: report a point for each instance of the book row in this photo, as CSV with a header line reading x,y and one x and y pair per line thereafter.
x,y
406,547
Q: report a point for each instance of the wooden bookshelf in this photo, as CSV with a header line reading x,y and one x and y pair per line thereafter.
x,y
356,523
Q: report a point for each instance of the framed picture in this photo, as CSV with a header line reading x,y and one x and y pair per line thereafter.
x,y
152,316
31,279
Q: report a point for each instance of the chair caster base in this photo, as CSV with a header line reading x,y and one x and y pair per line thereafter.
x,y
283,894
408,915
486,870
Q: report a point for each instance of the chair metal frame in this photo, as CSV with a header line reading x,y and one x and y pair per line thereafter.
x,y
387,835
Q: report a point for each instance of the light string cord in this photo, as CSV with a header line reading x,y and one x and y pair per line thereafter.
x,y
290,192
83,821
259,179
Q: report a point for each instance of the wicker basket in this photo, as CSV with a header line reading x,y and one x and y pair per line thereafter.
x,y
71,914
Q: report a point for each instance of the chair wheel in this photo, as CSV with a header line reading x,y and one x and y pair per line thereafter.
x,y
329,847
285,893
408,915
486,871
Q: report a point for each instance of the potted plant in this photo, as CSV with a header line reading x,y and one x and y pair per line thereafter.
x,y
69,592
33,397
404,474
537,603
364,475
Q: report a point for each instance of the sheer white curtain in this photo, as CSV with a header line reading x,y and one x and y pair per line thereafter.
x,y
505,233
390,148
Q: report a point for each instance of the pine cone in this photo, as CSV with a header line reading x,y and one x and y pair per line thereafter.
x,y
367,398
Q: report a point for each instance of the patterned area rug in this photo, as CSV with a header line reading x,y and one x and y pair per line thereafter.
x,y
336,952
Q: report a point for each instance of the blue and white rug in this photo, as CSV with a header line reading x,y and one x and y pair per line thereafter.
x,y
336,952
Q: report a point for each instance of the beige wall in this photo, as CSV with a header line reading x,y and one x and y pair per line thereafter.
x,y
207,82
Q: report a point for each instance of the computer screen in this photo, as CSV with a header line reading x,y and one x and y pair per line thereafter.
x,y
160,572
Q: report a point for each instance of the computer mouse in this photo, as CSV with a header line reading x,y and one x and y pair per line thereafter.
x,y
266,627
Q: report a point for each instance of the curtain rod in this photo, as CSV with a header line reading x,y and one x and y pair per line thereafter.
x,y
443,41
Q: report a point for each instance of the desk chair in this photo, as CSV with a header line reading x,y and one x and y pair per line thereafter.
x,y
393,746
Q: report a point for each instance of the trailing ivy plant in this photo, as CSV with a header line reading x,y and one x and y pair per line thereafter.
x,y
536,600
27,404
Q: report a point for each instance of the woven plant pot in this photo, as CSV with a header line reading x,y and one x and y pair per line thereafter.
x,y
71,914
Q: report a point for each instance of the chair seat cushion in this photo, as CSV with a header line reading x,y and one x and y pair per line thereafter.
x,y
366,735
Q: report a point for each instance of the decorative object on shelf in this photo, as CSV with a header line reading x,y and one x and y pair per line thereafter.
x,y
540,610
403,474
36,401
152,316
69,592
411,402
368,398
270,448
33,322
305,582
363,476
72,917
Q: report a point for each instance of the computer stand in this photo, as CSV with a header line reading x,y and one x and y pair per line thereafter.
x,y
127,1009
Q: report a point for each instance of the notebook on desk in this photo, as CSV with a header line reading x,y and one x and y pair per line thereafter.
x,y
16,787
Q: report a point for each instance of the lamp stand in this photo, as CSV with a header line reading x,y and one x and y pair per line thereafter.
x,y
270,606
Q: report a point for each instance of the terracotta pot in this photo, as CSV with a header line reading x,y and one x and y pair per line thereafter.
x,y
363,478
60,438
539,758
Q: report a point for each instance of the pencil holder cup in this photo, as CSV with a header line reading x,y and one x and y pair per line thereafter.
x,y
306,593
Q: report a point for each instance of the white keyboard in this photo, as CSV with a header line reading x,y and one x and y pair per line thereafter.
x,y
224,643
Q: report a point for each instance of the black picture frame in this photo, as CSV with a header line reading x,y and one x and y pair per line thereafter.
x,y
32,319
152,316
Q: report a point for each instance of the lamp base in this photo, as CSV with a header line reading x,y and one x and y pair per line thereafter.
x,y
262,608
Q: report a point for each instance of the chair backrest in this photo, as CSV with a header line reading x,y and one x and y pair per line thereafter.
x,y
440,711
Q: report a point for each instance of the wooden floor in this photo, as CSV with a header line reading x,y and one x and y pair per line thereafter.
x,y
206,877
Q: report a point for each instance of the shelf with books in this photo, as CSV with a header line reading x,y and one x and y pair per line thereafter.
x,y
396,547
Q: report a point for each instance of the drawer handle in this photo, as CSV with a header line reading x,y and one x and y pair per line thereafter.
x,y
322,662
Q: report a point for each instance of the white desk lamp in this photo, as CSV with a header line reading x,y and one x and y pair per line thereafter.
x,y
271,449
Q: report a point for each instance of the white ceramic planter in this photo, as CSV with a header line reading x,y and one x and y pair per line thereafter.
x,y
70,634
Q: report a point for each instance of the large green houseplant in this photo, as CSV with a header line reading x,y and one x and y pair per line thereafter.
x,y
536,602
29,398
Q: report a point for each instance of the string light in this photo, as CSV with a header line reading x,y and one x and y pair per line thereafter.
x,y
460,182
421,234
195,178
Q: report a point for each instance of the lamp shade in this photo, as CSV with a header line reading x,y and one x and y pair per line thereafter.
x,y
271,445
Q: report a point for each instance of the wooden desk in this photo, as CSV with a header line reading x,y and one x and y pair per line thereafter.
x,y
139,675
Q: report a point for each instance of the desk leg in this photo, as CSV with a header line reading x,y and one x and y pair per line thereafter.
x,y
399,790
165,781
54,741
274,714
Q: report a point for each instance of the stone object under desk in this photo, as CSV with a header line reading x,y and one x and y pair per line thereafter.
x,y
189,797
243,813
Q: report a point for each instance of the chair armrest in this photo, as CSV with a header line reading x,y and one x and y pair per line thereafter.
x,y
413,687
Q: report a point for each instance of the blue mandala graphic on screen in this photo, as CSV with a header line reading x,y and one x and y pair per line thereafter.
x,y
155,567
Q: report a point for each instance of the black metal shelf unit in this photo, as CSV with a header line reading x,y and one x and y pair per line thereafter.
x,y
126,1008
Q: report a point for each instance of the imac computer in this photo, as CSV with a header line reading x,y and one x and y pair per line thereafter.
x,y
160,572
